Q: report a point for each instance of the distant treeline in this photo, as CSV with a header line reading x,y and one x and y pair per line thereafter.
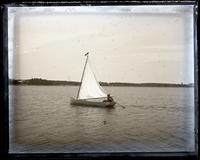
x,y
39,81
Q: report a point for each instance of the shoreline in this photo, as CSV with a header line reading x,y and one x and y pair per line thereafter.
x,y
44,82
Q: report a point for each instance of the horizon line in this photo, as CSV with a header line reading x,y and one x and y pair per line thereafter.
x,y
105,82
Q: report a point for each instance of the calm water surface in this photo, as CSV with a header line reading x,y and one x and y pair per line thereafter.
x,y
155,119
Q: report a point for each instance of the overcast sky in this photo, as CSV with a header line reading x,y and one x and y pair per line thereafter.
x,y
126,44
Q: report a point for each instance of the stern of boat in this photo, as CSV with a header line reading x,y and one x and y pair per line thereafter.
x,y
110,104
72,100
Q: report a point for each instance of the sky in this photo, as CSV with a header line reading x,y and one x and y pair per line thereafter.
x,y
137,44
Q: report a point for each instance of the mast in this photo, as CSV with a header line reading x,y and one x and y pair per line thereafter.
x,y
87,54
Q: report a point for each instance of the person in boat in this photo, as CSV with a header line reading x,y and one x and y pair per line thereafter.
x,y
109,98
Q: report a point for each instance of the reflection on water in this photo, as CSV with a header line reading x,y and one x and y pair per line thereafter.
x,y
155,119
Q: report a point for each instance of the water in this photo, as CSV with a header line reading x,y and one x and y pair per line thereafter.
x,y
155,119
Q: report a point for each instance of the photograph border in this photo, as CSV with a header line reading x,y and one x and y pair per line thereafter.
x,y
4,111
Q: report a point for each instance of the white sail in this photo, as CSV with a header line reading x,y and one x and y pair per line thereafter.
x,y
90,88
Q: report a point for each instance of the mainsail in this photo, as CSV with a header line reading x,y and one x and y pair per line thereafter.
x,y
90,88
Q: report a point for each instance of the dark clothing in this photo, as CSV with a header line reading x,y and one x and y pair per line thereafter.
x,y
109,99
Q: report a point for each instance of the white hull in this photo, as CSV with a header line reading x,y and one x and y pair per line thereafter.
x,y
80,102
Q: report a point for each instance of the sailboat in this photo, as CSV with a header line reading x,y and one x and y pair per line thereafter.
x,y
90,93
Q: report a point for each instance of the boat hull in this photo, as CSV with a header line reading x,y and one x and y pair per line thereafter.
x,y
80,102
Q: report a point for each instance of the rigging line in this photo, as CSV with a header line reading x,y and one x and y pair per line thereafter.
x,y
87,54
